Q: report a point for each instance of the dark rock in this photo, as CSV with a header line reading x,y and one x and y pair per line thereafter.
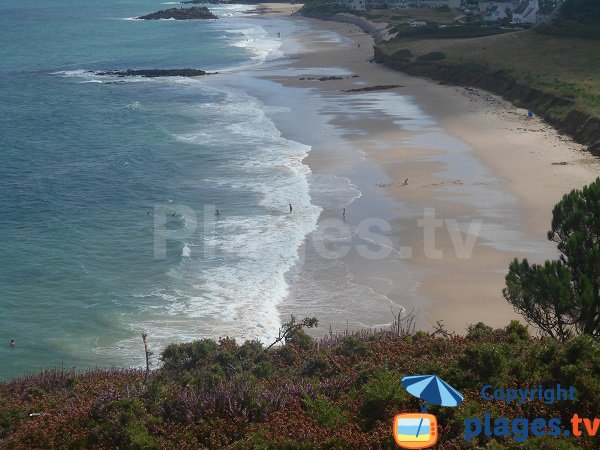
x,y
181,14
330,78
228,2
375,88
153,73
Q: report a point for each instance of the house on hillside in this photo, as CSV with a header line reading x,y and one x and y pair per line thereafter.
x,y
375,4
398,4
354,5
526,12
404,4
493,11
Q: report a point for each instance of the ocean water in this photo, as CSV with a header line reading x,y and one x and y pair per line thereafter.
x,y
90,163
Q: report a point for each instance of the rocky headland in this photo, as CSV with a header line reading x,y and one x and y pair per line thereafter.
x,y
181,14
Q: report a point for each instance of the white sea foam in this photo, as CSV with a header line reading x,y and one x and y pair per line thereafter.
x,y
134,105
257,41
236,291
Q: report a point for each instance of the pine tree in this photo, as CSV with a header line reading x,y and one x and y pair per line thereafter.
x,y
562,297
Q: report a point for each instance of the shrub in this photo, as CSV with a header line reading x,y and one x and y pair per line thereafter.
x,y
479,332
126,423
315,365
326,413
433,56
401,54
517,332
300,339
382,391
353,347
485,362
180,357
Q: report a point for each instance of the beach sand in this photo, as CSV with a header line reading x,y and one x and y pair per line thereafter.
x,y
278,9
475,161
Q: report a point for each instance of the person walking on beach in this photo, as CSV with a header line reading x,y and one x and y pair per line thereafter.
x,y
290,207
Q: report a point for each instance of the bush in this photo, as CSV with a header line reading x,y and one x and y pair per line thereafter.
x,y
382,391
403,54
517,332
300,339
433,56
353,347
315,365
326,413
126,423
479,332
485,362
181,357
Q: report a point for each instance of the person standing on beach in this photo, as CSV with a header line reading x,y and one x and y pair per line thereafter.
x,y
290,207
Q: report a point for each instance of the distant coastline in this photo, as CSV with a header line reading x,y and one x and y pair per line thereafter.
x,y
557,108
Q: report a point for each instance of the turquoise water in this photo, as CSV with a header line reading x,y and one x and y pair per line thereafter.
x,y
87,161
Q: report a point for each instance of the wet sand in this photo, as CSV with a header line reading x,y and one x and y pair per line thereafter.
x,y
488,174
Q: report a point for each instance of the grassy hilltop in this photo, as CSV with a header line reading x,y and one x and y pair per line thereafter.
x,y
339,393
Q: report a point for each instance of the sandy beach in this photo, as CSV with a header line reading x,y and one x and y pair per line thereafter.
x,y
461,162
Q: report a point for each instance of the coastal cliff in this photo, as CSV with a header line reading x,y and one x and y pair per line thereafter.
x,y
560,112
552,75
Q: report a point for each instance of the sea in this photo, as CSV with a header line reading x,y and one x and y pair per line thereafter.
x,y
109,185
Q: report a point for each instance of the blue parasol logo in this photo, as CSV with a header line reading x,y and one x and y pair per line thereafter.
x,y
432,389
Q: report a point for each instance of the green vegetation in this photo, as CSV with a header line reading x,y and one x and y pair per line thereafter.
x,y
567,68
562,297
338,393
578,18
321,9
432,31
583,11
433,56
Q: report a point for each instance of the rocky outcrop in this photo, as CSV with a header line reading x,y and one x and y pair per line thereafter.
x,y
560,112
379,87
181,14
154,73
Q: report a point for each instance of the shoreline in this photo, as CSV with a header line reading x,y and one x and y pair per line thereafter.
x,y
479,159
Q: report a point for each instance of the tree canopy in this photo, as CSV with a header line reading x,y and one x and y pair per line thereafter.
x,y
583,11
562,297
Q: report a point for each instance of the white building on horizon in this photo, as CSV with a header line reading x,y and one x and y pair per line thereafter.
x,y
526,12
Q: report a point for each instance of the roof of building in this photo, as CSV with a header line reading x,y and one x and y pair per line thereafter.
x,y
522,7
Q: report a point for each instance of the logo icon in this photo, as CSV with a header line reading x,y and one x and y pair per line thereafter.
x,y
415,430
420,430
